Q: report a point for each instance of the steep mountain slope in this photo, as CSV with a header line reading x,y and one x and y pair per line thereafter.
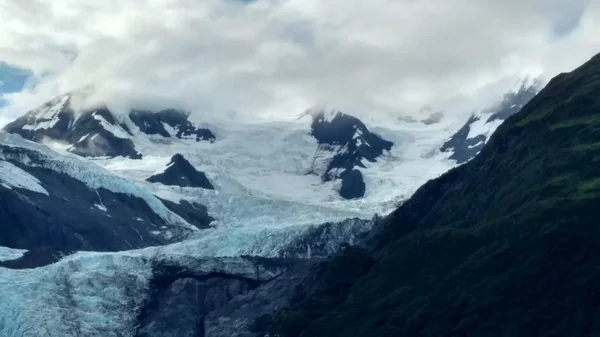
x,y
505,245
52,204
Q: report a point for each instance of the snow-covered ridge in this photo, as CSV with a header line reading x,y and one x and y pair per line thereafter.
x,y
468,141
102,294
92,175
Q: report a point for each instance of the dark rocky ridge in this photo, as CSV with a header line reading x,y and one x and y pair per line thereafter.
x,y
75,217
354,143
463,148
180,172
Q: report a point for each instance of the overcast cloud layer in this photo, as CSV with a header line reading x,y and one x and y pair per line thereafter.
x,y
275,58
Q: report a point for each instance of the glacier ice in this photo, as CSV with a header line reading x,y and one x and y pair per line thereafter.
x,y
9,254
100,294
13,176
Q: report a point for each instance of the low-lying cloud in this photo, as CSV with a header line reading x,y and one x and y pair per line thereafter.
x,y
275,58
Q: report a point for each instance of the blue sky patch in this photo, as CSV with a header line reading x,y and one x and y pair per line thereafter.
x,y
11,80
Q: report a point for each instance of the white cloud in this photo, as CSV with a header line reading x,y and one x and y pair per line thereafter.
x,y
277,57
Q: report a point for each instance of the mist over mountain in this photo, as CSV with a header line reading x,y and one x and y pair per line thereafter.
x,y
303,168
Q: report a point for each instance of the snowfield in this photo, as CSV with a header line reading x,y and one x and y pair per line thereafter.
x,y
261,171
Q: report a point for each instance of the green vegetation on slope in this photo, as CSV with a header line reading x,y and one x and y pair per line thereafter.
x,y
505,245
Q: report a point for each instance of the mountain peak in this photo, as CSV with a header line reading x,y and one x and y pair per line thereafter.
x,y
348,142
97,131
180,172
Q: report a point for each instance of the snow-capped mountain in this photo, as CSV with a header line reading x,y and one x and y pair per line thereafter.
x,y
179,172
323,166
176,201
98,132
344,143
472,136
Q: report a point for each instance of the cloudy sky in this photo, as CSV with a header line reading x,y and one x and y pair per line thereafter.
x,y
274,58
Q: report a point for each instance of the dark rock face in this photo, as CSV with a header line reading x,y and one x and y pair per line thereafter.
x,y
180,172
352,142
353,185
180,308
153,123
90,138
237,318
464,148
192,212
183,302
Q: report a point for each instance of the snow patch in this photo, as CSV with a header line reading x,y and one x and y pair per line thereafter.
x,y
114,129
482,127
100,207
82,138
476,145
171,130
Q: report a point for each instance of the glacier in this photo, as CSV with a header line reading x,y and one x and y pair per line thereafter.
x,y
268,204
101,294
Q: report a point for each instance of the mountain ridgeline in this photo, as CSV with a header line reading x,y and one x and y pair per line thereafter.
x,y
507,244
